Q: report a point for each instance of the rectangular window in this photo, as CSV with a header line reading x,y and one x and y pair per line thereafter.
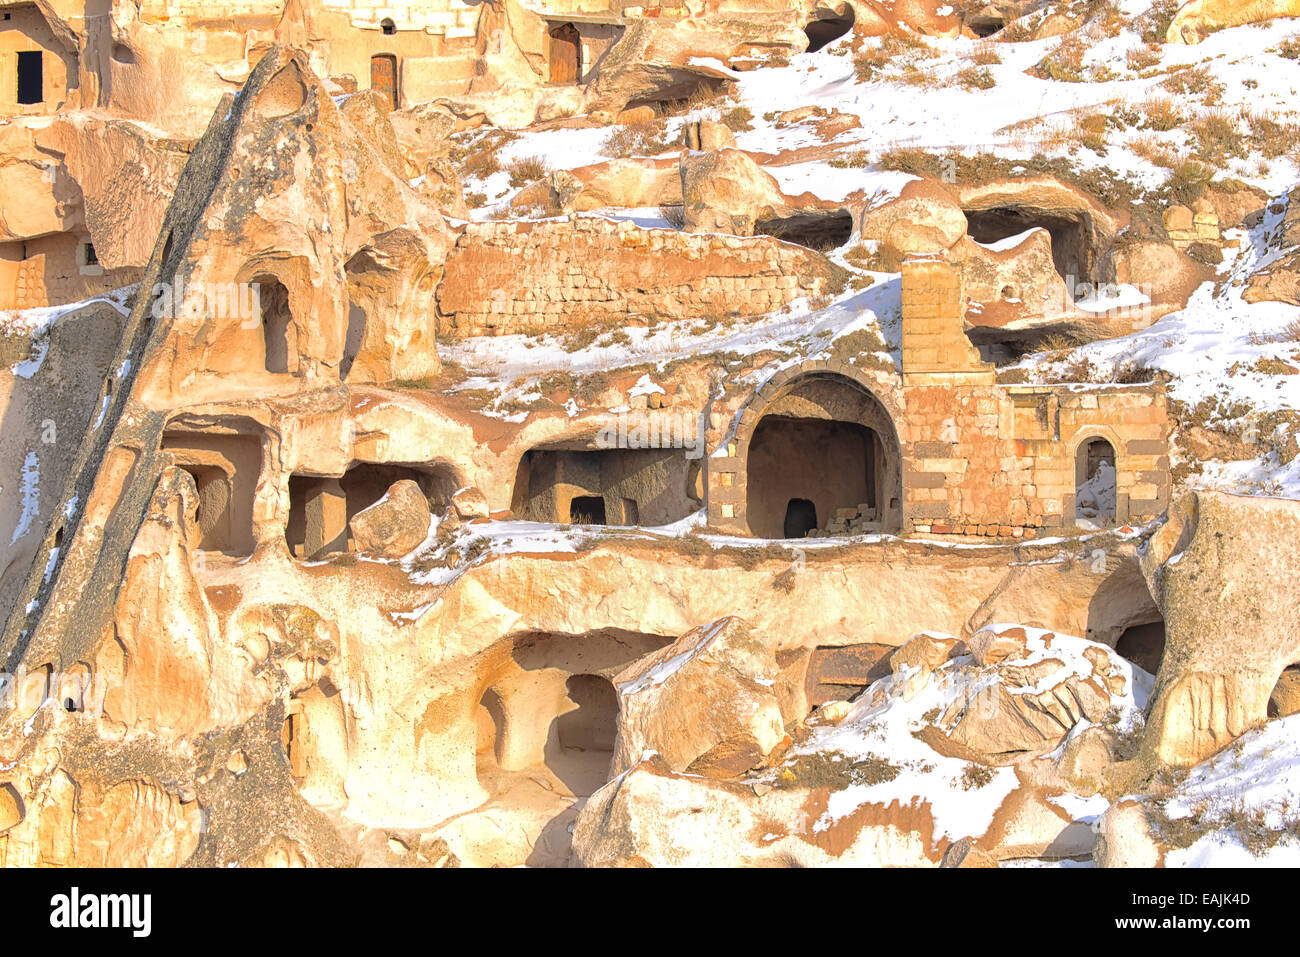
x,y
31,83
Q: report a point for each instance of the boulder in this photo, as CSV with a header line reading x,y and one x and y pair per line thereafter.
x,y
726,191
1036,699
713,684
708,135
470,503
923,218
1197,19
965,853
989,647
394,526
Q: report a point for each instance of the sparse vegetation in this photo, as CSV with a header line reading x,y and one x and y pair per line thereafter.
x,y
738,119
1195,81
978,77
1143,58
527,170
638,139
834,770
976,776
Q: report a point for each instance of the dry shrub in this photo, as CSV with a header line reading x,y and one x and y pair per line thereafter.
x,y
1270,138
475,153
1154,150
1218,138
526,170
1143,58
738,119
893,49
1290,47
978,77
675,215
1154,23
637,139
1065,63
1195,81
986,54
1161,113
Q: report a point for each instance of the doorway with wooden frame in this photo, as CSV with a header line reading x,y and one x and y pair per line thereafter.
x,y
566,54
383,76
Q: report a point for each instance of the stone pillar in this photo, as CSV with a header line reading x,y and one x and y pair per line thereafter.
x,y
327,519
935,348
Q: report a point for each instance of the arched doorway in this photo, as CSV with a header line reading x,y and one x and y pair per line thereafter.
x,y
826,30
824,455
279,335
1094,478
565,54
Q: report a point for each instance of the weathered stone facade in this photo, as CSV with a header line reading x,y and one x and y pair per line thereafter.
x,y
976,458
533,278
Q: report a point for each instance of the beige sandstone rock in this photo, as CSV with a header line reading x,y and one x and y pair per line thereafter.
x,y
711,685
1218,561
726,191
924,218
1198,18
470,503
395,525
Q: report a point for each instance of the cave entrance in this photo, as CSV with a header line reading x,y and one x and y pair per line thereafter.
x,y
225,469
826,30
1143,645
816,229
587,510
1284,700
30,82
565,54
1071,250
985,26
279,333
800,469
622,487
548,702
1094,471
321,508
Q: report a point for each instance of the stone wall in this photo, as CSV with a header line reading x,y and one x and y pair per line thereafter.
x,y
545,277
976,458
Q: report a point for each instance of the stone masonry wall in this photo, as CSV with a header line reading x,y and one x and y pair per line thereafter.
x,y
977,458
534,278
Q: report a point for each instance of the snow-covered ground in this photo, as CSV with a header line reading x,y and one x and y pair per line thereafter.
x,y
1217,349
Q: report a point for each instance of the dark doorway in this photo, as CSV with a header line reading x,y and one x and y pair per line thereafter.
x,y
800,518
566,54
1144,645
985,26
587,510
1094,469
383,76
277,325
827,30
825,464
31,82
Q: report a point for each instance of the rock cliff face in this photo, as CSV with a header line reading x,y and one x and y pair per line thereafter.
x,y
487,435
